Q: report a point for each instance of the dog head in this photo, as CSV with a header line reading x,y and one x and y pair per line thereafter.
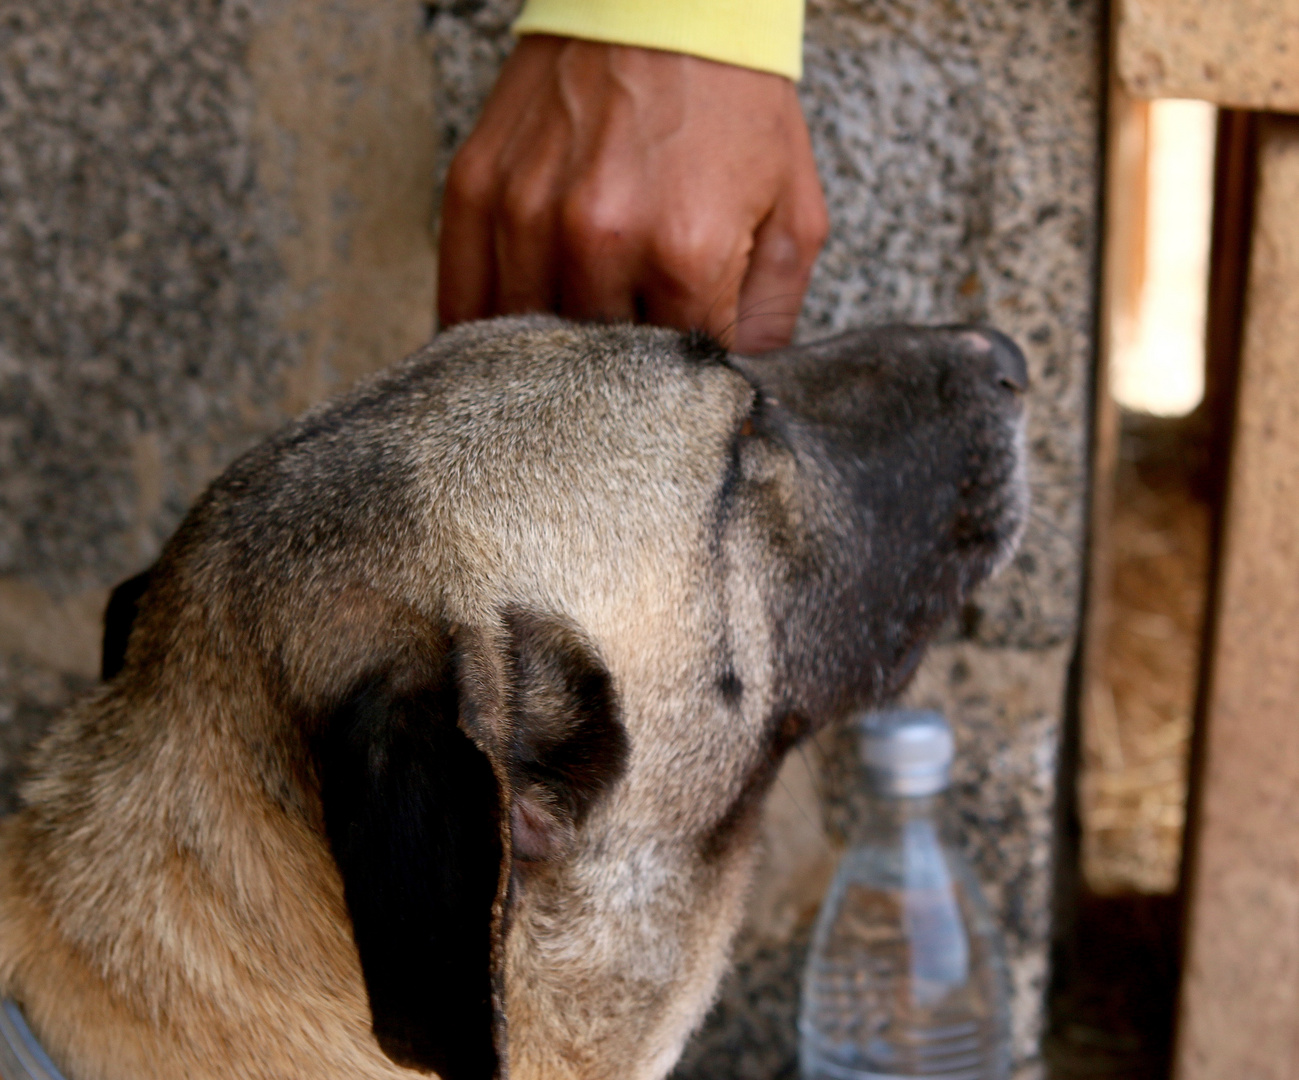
x,y
524,628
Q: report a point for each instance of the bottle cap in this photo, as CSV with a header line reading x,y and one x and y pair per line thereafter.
x,y
907,752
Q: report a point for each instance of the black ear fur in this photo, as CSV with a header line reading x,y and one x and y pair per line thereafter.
x,y
568,744
413,812
119,617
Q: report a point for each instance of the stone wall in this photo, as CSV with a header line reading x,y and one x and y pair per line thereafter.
x,y
212,215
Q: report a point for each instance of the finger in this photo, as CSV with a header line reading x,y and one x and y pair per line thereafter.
x,y
466,244
784,251
771,295
467,267
600,252
525,233
693,283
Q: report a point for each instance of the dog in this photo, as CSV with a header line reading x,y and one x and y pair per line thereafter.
x,y
444,720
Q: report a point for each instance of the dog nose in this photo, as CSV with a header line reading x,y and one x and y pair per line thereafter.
x,y
1009,367
1006,362
1009,363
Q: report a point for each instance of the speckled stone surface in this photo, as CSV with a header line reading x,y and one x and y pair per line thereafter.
x,y
130,213
127,215
1240,54
211,215
959,149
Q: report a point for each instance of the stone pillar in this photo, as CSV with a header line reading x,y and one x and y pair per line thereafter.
x,y
1239,1009
211,215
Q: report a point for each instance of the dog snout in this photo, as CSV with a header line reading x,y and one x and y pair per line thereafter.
x,y
1000,356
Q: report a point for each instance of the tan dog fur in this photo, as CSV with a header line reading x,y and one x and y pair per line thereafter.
x,y
170,902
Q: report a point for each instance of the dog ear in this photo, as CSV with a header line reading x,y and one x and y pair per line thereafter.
x,y
413,811
438,774
567,742
119,617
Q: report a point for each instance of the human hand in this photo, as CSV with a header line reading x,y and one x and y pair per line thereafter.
x,y
612,182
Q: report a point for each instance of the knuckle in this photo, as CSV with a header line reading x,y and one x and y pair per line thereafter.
x,y
524,207
691,255
814,232
819,232
811,228
783,253
471,179
594,223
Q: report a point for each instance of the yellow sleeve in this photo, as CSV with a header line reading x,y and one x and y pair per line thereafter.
x,y
762,34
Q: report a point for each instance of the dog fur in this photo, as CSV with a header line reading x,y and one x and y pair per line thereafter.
x,y
443,722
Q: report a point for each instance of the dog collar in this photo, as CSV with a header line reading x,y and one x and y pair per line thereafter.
x,y
21,1056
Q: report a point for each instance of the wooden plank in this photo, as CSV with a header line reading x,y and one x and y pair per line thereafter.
x,y
1127,160
1239,1012
1242,53
1233,207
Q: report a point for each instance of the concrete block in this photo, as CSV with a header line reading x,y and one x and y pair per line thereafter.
x,y
1241,53
1239,1013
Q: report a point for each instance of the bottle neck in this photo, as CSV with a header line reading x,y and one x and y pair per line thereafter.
x,y
885,817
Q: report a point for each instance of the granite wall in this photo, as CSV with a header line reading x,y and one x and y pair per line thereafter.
x,y
212,214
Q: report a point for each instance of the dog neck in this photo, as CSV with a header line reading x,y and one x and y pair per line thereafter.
x,y
141,949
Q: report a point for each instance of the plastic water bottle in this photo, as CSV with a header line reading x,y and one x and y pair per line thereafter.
x,y
905,977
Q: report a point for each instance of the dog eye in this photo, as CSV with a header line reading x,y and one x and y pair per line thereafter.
x,y
746,428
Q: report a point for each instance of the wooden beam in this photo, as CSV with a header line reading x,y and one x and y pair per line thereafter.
x,y
1127,160
1239,1011
1241,53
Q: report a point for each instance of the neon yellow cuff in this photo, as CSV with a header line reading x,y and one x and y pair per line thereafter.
x,y
762,34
